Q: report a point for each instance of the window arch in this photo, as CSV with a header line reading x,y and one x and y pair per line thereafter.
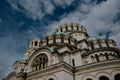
x,y
40,62
89,79
104,78
36,43
101,56
106,55
92,46
73,62
97,57
93,59
50,79
117,76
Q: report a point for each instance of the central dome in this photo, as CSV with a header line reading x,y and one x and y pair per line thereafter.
x,y
70,27
75,30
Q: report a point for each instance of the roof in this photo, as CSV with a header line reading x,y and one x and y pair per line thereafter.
x,y
60,33
24,58
50,48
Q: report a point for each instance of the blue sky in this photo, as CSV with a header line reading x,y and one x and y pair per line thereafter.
x,y
24,20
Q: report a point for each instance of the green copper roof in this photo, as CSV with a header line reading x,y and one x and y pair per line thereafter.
x,y
51,49
96,37
24,58
60,33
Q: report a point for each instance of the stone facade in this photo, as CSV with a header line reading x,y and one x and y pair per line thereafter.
x,y
69,54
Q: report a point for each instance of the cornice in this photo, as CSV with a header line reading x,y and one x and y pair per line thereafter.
x,y
63,66
101,49
97,66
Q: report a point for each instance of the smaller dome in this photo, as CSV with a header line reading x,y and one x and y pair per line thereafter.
x,y
100,42
35,43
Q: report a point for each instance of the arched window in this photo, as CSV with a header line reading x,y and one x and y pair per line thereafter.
x,y
89,79
73,62
104,78
101,56
111,56
97,58
50,79
93,58
36,43
92,46
106,55
39,62
117,77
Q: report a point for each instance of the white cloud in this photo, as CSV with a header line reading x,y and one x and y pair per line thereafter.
x,y
100,18
63,3
97,18
37,9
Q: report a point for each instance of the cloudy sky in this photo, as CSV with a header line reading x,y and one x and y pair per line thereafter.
x,y
24,20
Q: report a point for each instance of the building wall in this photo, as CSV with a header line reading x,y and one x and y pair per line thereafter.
x,y
95,75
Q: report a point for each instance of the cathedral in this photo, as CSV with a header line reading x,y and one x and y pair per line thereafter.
x,y
68,54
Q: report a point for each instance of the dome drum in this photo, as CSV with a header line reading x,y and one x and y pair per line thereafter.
x,y
59,40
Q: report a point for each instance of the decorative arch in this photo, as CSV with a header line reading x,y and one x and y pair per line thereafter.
x,y
93,58
117,76
88,77
41,78
115,73
97,57
101,56
51,77
106,56
41,61
36,43
104,76
111,56
45,52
